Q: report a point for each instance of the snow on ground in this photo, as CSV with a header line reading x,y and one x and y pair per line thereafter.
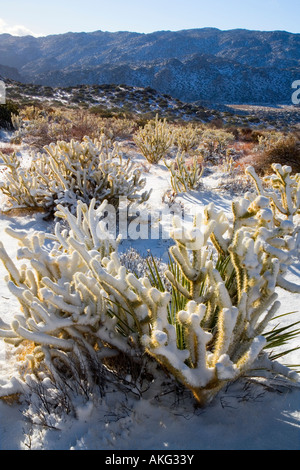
x,y
245,416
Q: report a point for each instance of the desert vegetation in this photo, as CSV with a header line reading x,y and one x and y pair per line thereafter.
x,y
203,317
6,112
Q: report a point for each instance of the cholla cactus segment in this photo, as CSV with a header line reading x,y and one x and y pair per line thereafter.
x,y
185,175
154,140
228,164
235,301
283,194
285,189
16,120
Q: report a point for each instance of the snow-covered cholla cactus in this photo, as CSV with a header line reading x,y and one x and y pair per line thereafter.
x,y
186,138
91,170
69,171
154,139
285,189
23,184
17,122
230,300
206,330
283,193
61,305
185,173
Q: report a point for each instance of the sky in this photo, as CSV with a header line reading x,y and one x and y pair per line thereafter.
x,y
41,18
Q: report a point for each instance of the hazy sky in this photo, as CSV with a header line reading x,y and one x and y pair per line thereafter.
x,y
41,18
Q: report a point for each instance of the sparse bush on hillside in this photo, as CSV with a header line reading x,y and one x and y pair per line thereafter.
x,y
154,140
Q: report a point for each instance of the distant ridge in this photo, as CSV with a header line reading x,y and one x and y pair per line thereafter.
x,y
209,65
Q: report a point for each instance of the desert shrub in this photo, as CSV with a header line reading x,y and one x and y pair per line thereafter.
x,y
279,148
66,172
38,127
154,139
282,189
246,134
78,300
103,112
213,144
117,128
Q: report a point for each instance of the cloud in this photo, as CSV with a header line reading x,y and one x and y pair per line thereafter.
x,y
15,30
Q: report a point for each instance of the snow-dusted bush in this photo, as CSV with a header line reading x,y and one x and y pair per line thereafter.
x,y
186,138
214,142
185,173
267,140
283,190
277,147
117,128
70,171
154,139
79,301
38,127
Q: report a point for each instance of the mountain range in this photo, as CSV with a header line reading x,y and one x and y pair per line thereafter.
x,y
200,65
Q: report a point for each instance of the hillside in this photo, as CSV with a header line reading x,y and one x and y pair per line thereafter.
x,y
209,65
145,102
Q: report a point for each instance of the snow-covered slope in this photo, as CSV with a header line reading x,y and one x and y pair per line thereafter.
x,y
218,66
